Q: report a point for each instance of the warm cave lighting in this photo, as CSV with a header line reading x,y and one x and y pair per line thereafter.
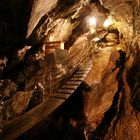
x,y
92,21
92,30
96,39
51,38
107,22
62,47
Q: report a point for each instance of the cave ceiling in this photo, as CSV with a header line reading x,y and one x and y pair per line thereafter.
x,y
25,24
28,22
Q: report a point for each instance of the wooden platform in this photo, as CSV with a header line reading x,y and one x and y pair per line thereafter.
x,y
26,121
70,86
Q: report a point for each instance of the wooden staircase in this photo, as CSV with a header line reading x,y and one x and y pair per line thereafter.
x,y
73,83
41,112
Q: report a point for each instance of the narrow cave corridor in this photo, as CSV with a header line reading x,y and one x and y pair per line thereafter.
x,y
69,70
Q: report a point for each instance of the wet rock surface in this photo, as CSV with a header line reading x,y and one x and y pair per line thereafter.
x,y
103,85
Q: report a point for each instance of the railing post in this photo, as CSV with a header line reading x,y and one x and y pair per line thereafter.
x,y
1,116
43,86
50,83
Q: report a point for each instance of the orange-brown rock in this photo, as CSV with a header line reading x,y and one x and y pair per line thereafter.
x,y
103,83
20,101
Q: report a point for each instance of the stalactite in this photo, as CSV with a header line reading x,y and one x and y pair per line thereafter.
x,y
136,6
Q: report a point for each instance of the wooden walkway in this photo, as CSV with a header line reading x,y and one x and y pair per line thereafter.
x,y
26,121
72,84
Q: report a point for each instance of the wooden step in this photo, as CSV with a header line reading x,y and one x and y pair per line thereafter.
x,y
66,91
74,87
73,83
60,95
77,79
80,72
79,76
87,69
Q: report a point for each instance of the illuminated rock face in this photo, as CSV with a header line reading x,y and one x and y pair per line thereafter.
x,y
39,9
103,82
107,103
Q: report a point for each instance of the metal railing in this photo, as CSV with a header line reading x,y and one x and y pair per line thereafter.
x,y
78,59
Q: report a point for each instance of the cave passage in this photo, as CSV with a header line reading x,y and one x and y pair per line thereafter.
x,y
69,70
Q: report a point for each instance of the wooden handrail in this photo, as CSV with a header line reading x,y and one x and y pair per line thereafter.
x,y
52,42
26,121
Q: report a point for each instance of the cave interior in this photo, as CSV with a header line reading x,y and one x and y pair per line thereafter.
x,y
47,46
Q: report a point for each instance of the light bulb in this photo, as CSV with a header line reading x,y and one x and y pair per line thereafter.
x,y
96,39
92,21
107,22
